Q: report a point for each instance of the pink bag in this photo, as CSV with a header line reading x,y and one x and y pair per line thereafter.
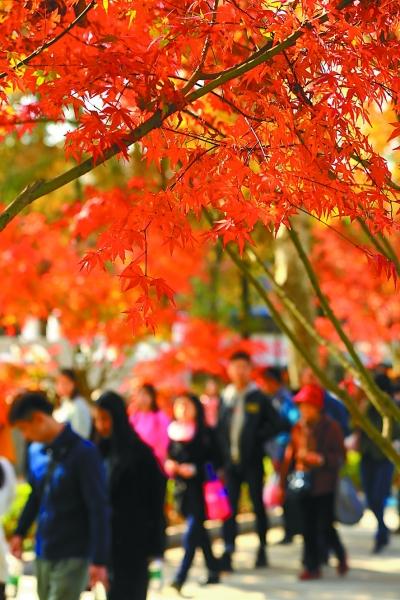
x,y
271,493
217,502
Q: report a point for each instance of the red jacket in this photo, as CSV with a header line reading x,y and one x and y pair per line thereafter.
x,y
325,438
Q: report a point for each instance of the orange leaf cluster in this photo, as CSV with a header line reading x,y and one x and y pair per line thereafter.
x,y
367,305
255,107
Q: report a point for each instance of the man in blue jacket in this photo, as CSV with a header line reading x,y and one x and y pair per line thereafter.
x,y
68,500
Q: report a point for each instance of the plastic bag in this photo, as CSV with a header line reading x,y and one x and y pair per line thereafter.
x,y
349,508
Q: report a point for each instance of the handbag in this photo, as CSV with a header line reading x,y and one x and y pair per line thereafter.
x,y
299,483
271,492
218,506
349,509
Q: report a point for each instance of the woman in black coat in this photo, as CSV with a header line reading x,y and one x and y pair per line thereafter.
x,y
136,498
191,447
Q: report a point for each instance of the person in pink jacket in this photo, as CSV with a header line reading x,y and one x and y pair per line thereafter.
x,y
150,423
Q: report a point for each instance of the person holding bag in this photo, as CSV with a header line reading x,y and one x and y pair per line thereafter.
x,y
191,448
310,470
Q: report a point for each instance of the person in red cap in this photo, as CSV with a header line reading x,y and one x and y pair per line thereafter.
x,y
310,470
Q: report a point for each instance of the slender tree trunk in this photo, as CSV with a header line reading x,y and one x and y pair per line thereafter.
x,y
215,277
245,306
291,274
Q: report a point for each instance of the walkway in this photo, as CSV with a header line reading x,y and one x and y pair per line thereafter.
x,y
370,578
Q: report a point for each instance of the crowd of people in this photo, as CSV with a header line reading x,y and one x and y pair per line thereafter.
x,y
98,475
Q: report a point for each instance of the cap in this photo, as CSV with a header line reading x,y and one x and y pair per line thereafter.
x,y
312,394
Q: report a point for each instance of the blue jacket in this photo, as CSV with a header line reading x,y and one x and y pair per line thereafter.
x,y
71,507
335,409
282,401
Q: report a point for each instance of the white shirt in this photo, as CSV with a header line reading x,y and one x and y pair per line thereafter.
x,y
77,413
235,399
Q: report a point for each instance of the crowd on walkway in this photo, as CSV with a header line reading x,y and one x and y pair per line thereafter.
x,y
98,475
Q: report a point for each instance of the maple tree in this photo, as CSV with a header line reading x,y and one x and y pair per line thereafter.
x,y
369,310
198,347
255,107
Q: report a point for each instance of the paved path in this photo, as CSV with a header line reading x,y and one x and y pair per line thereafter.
x,y
370,578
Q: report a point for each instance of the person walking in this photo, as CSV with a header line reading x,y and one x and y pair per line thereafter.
x,y
247,421
272,383
313,459
192,446
150,423
73,409
211,401
136,492
68,500
377,470
333,406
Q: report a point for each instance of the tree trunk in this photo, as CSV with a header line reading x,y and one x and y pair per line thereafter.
x,y
291,274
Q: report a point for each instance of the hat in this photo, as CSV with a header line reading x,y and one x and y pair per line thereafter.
x,y
312,394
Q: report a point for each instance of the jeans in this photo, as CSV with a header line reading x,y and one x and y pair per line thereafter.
x,y
319,532
254,476
61,579
195,536
376,477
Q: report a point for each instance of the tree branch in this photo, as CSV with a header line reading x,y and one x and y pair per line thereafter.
x,y
391,252
382,244
381,401
195,76
373,433
42,188
365,163
51,42
333,350
300,318
264,54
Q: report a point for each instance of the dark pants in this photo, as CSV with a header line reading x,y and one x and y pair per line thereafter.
x,y
129,583
195,537
292,516
319,531
254,477
376,476
163,541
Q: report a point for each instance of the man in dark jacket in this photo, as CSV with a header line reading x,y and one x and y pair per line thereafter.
x,y
68,500
377,470
247,420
